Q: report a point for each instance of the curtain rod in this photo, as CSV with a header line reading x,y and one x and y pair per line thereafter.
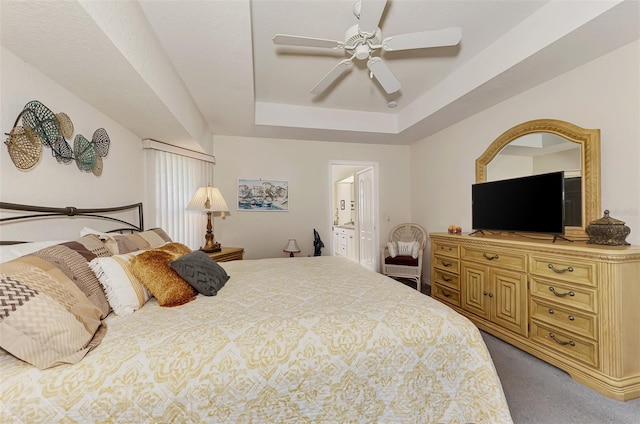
x,y
149,143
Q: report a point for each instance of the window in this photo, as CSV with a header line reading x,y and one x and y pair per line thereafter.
x,y
172,178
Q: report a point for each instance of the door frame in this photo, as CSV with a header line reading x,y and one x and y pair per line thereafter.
x,y
376,201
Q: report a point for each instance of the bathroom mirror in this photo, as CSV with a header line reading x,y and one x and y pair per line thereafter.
x,y
548,145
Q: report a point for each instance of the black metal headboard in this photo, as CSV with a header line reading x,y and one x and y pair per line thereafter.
x,y
39,212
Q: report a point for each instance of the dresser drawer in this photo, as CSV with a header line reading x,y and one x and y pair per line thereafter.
x,y
564,269
445,294
571,320
446,263
568,345
446,249
571,296
496,257
446,279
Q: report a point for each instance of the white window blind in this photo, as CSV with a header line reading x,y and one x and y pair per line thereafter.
x,y
171,180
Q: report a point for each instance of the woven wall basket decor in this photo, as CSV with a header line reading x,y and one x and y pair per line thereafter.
x,y
25,147
41,127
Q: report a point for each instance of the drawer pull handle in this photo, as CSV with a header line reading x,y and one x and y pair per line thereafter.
x,y
551,311
552,290
484,293
560,342
492,257
447,279
446,294
560,271
490,294
571,318
446,263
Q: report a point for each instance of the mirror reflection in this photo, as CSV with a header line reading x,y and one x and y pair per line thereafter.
x,y
540,153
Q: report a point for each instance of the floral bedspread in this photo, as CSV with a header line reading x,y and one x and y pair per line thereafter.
x,y
301,340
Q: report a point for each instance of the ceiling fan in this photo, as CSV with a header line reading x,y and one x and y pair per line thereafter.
x,y
362,40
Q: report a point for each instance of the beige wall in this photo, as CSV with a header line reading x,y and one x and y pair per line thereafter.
x,y
603,94
305,164
50,183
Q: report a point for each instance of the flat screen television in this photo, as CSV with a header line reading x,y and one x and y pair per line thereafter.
x,y
527,204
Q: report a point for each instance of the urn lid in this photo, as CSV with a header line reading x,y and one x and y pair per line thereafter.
x,y
606,220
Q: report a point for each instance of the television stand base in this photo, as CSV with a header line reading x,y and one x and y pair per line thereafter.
x,y
557,236
476,231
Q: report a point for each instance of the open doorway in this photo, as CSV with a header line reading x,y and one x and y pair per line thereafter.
x,y
354,211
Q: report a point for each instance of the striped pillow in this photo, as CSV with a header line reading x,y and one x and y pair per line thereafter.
x,y
127,243
45,318
72,258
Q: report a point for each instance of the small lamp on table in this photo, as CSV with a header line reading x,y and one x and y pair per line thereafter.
x,y
291,247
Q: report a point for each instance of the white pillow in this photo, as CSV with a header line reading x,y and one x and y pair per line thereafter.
x,y
13,251
393,249
408,248
415,250
124,291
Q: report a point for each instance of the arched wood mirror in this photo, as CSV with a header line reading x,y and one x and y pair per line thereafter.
x,y
548,145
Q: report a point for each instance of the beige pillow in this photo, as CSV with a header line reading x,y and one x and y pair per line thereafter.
x,y
126,243
152,269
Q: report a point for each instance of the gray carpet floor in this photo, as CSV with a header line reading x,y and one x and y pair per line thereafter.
x,y
539,393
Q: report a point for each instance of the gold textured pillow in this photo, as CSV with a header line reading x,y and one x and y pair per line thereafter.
x,y
175,248
153,271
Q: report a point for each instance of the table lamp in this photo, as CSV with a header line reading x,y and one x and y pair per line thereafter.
x,y
291,247
208,199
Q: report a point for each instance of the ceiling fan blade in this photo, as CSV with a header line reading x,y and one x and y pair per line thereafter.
x,y
370,14
383,74
420,40
295,40
331,76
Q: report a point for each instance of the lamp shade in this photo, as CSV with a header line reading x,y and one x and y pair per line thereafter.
x,y
208,199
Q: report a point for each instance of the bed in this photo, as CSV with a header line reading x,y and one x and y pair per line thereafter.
x,y
316,339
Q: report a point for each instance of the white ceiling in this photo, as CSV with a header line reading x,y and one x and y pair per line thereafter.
x,y
183,71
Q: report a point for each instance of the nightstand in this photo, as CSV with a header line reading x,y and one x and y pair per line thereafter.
x,y
227,254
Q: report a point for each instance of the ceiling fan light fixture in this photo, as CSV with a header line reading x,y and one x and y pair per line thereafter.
x,y
362,51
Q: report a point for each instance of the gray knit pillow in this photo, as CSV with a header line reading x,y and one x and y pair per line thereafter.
x,y
201,272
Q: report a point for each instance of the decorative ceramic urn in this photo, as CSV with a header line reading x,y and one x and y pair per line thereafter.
x,y
608,231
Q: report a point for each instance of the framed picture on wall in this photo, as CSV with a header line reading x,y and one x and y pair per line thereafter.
x,y
263,195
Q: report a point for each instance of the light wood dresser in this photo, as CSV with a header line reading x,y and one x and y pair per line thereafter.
x,y
574,305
